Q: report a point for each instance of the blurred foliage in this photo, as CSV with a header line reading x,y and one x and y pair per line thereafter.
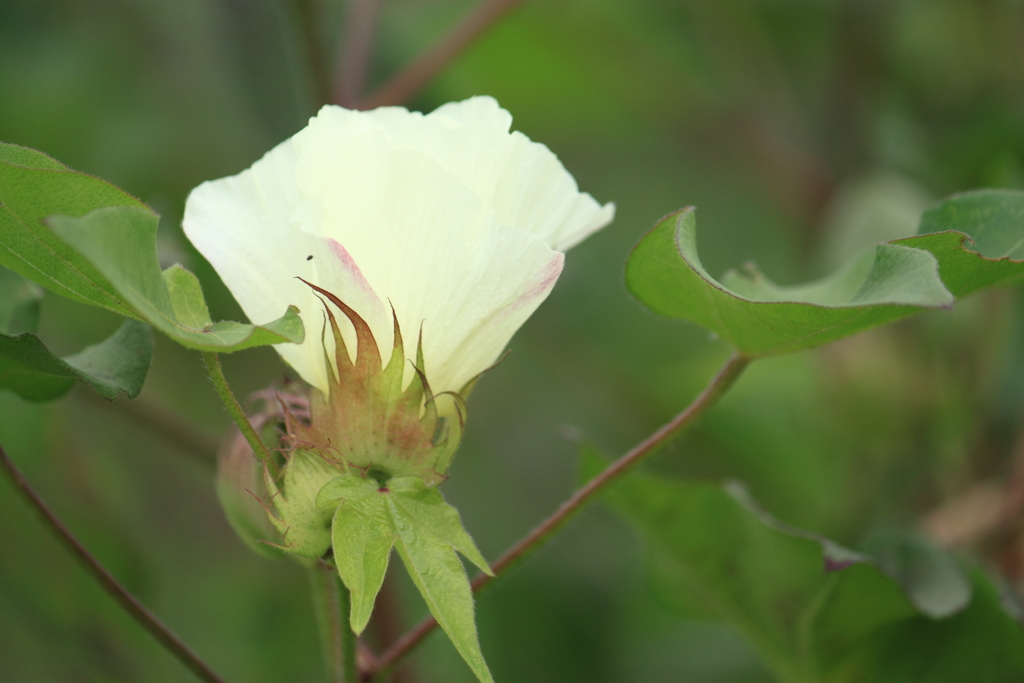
x,y
803,131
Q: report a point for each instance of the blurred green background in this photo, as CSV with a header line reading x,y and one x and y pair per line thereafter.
x,y
803,130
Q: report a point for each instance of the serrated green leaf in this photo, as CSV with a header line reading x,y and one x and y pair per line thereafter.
x,y
34,186
119,363
760,318
19,303
977,237
371,517
120,242
814,611
442,581
434,516
305,526
363,535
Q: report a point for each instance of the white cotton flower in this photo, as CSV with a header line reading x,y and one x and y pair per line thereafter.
x,y
449,218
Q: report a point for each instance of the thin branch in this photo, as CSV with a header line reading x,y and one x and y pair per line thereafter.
x,y
310,16
715,389
128,602
361,17
401,87
220,383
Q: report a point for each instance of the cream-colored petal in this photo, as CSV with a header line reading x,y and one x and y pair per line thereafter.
x,y
245,226
425,242
524,181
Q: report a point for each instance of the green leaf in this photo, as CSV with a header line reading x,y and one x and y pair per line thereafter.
x,y
439,575
814,611
117,364
19,303
434,516
34,186
100,249
977,237
371,518
120,242
760,318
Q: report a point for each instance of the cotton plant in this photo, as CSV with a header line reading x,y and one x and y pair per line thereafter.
x,y
413,247
389,257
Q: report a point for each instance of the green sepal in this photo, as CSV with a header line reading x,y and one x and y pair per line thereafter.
x,y
305,527
368,419
117,364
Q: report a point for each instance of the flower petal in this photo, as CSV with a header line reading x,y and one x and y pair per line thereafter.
x,y
524,181
425,242
248,227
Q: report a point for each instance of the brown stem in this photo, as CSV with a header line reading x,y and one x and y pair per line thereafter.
x,y
721,382
401,87
355,58
128,602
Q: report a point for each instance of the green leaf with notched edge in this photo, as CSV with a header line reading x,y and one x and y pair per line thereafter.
x,y
34,186
370,518
434,516
977,237
117,364
814,611
442,581
120,242
19,303
760,318
363,534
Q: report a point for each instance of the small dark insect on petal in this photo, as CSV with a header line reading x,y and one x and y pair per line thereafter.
x,y
309,258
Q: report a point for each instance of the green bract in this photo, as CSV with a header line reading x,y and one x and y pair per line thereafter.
x,y
362,518
360,479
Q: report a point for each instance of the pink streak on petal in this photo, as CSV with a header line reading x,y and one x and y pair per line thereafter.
x,y
350,266
548,277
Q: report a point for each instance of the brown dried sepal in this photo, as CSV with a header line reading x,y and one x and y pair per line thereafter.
x,y
368,421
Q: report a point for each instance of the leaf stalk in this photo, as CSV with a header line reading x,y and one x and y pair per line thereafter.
x,y
234,408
